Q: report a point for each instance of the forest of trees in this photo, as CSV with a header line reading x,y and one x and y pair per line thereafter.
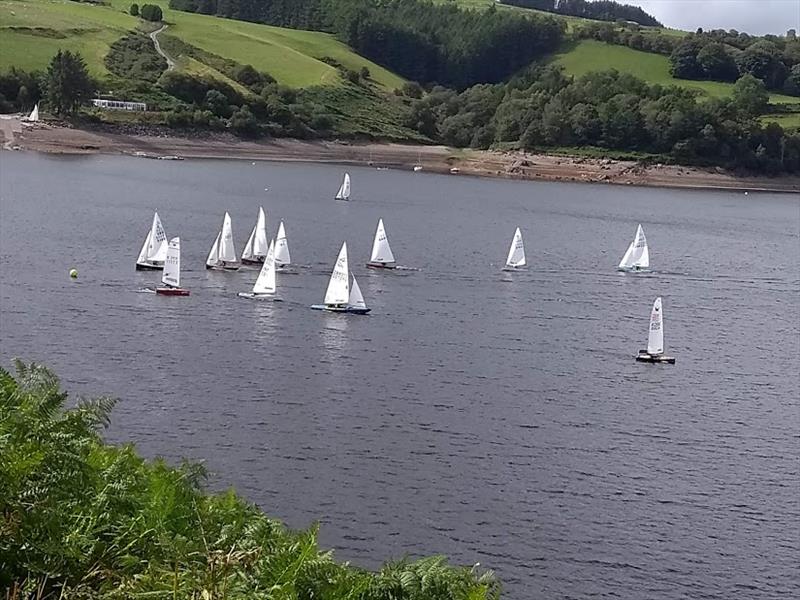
x,y
421,41
544,108
601,10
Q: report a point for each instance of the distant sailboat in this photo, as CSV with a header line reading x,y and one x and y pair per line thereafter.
x,y
34,116
344,189
637,257
154,250
256,248
266,283
223,253
339,297
171,278
283,259
516,254
655,339
382,257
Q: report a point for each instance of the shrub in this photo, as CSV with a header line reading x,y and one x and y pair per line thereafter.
x,y
134,10
151,12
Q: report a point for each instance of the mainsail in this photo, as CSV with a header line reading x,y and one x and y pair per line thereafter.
x,y
516,254
256,246
227,252
338,291
266,283
381,252
172,264
282,257
154,248
344,189
655,338
638,255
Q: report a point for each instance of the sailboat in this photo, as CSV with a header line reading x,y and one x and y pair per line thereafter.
x,y
283,259
34,116
516,254
340,296
637,257
382,257
266,284
654,353
418,165
171,278
344,189
223,254
154,250
256,248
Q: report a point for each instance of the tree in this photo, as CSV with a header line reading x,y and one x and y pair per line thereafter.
x,y
792,84
762,60
67,83
750,95
151,12
217,103
134,10
243,122
717,63
683,60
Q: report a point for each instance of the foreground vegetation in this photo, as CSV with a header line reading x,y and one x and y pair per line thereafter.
x,y
83,519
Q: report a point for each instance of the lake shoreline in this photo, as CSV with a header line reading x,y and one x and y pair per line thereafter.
x,y
60,139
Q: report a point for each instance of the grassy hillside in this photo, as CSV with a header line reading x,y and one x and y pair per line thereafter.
x,y
591,55
31,31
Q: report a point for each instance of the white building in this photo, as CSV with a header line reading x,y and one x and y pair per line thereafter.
x,y
118,104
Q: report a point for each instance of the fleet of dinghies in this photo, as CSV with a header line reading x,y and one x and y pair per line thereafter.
x,y
342,296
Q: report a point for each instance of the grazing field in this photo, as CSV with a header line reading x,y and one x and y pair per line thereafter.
x,y
591,55
31,31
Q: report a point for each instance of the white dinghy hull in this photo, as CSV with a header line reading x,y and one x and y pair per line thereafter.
x,y
341,309
643,356
253,296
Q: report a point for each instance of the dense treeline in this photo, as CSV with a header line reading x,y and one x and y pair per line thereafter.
x,y
601,10
725,56
544,108
19,90
82,519
421,41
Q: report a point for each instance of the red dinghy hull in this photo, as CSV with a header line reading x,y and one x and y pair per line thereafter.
x,y
172,292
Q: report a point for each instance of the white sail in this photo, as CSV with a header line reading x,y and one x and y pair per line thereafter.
x,y
356,299
266,283
282,256
338,291
257,242
655,338
34,116
227,251
213,255
344,189
381,252
516,254
155,243
172,264
637,255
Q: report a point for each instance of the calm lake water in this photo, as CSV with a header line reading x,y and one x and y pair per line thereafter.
x,y
494,418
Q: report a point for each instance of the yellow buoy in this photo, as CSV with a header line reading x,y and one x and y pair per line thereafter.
x,y
73,273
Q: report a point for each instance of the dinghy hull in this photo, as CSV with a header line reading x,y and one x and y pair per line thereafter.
x,y
632,270
256,260
252,296
234,267
341,309
655,358
149,267
163,291
507,268
377,265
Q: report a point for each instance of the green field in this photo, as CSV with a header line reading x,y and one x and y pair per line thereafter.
x,y
31,31
590,55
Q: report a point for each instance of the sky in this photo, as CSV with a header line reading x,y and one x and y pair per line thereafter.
x,y
756,17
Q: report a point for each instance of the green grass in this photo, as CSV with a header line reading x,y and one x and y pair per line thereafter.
x,y
787,121
292,57
590,55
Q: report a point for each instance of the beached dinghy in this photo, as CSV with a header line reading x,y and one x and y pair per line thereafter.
x,y
382,257
222,256
344,189
516,254
637,257
265,287
256,248
171,278
154,249
655,339
33,117
339,297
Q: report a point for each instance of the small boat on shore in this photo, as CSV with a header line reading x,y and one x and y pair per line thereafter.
x,y
255,250
340,297
516,254
33,117
222,256
154,250
637,257
344,189
266,286
382,257
654,353
171,278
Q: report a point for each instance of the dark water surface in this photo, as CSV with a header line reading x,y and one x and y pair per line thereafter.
x,y
495,418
